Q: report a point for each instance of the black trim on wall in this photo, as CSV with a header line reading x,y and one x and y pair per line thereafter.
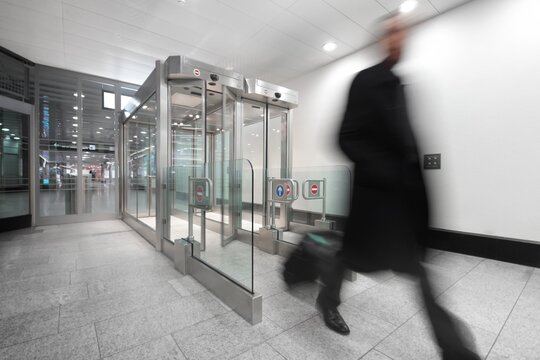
x,y
503,249
15,223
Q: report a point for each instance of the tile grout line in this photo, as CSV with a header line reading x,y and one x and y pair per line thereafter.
x,y
97,339
508,317
178,346
59,311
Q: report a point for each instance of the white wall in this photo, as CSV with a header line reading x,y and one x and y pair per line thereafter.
x,y
473,78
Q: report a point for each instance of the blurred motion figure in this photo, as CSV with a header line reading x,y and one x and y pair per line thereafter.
x,y
388,221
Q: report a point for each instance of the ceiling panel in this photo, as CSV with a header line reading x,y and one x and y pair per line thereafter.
x,y
40,54
332,21
443,5
423,10
49,7
258,11
307,33
364,12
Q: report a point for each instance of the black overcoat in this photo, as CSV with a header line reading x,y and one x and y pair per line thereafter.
x,y
388,220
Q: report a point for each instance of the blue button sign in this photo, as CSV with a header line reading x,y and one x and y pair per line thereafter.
x,y
280,191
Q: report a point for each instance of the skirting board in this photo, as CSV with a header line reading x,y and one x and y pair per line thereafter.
x,y
490,247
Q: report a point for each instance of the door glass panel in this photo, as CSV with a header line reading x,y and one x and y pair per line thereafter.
x,y
14,164
187,152
277,153
140,140
253,151
99,137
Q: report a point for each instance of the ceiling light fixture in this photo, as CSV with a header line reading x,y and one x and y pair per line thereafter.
x,y
408,6
75,118
329,46
5,129
16,138
107,117
75,108
73,142
75,125
75,135
100,128
145,107
98,132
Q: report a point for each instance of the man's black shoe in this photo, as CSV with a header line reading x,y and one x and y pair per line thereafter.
x,y
334,321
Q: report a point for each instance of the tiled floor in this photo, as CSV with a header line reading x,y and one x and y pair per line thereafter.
x,y
99,291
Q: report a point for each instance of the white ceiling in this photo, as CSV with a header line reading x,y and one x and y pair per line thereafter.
x,y
275,40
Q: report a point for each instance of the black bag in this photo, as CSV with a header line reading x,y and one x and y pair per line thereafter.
x,y
315,253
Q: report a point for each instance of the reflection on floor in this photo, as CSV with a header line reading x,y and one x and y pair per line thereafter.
x,y
98,290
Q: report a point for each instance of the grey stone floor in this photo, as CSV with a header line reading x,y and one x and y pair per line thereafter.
x,y
99,291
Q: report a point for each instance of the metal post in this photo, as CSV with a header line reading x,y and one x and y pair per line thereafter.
x,y
203,230
190,211
324,200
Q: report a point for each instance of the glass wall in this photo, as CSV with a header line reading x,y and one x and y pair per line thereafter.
x,y
14,164
78,142
140,139
58,142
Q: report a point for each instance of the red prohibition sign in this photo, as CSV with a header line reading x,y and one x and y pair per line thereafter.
x,y
314,189
199,193
196,72
287,190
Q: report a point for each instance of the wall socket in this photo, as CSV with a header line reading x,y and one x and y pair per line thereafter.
x,y
432,161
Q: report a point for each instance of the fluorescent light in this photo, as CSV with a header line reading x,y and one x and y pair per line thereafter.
x,y
145,107
75,108
408,6
143,132
73,142
108,117
75,125
329,46
75,118
100,128
5,129
98,132
74,135
17,138
181,124
190,115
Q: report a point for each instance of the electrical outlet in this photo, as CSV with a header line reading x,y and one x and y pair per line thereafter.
x,y
432,161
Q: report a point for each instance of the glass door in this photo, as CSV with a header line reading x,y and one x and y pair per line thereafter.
x,y
14,169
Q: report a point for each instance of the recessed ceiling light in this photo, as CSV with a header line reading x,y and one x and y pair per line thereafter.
x,y
5,129
329,46
190,115
408,6
135,136
74,135
75,118
75,108
145,107
73,142
75,125
98,132
143,132
181,124
16,138
107,117
100,128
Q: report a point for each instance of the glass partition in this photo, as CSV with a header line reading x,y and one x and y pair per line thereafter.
x,y
195,213
14,164
140,140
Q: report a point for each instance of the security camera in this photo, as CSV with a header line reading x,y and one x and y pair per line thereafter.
x,y
214,77
277,95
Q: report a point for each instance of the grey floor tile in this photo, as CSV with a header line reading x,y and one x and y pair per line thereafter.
x,y
386,303
161,349
375,355
186,285
35,284
414,340
313,340
504,270
476,308
126,331
46,269
493,286
187,311
103,307
455,262
260,352
270,283
223,337
519,339
153,277
287,310
72,345
116,271
10,274
28,326
32,301
528,303
535,279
